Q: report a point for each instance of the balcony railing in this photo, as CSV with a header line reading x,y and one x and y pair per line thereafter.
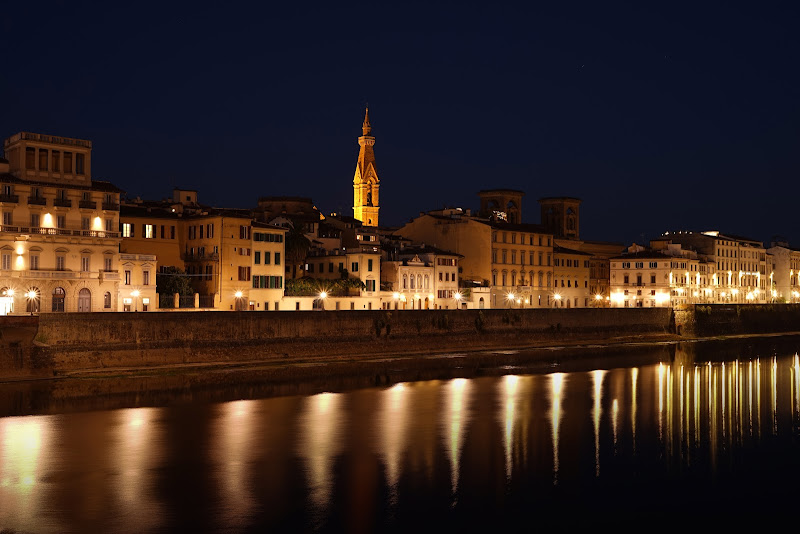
x,y
110,206
87,204
37,230
13,199
62,202
39,201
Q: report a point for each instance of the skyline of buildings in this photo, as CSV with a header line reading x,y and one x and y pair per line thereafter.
x,y
73,244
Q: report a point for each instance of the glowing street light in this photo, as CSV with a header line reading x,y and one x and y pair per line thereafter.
x,y
322,296
458,298
31,294
135,295
557,298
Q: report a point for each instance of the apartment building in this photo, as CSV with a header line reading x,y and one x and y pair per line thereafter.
x,y
59,238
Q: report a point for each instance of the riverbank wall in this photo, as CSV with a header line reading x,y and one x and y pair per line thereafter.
x,y
57,344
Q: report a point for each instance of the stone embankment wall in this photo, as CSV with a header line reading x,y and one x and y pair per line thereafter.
x,y
75,341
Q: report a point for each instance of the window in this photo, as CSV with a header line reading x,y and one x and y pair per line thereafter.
x,y
145,278
107,262
79,163
61,221
244,232
42,159
244,272
370,285
85,223
369,267
34,220
354,267
8,218
172,232
85,263
127,229
652,279
107,300
56,160
277,258
30,158
68,163
149,231
61,261
257,257
34,260
127,278
109,225
6,261
58,299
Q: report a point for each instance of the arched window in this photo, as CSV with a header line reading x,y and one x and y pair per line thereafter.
x,y
405,281
419,281
541,279
84,300
58,299
107,300
427,282
412,281
513,278
549,279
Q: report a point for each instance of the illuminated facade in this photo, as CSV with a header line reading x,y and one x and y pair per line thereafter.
x,y
571,278
59,239
366,201
786,261
641,279
421,278
740,270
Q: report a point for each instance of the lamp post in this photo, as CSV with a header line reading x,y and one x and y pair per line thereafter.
x,y
458,297
135,295
322,296
238,296
557,298
31,294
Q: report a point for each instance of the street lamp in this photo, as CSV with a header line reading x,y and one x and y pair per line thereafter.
x,y
557,298
322,296
238,296
458,297
510,298
135,295
31,294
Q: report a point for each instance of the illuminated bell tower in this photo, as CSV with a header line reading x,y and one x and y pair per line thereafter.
x,y
365,180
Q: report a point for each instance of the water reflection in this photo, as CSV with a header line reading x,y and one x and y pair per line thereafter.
x,y
373,457
319,442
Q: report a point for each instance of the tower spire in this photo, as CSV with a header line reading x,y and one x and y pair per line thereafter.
x,y
366,128
365,180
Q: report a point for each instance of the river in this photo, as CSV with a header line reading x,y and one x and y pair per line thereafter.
x,y
681,436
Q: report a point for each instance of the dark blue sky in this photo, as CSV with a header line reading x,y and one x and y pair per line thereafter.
x,y
660,116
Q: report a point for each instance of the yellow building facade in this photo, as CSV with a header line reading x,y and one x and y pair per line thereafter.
x,y
59,239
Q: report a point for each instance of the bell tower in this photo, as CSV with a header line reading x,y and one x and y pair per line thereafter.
x,y
365,180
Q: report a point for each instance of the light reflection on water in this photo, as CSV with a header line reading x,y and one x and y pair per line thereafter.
x,y
377,458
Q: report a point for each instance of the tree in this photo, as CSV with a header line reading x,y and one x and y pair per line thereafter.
x,y
297,245
173,280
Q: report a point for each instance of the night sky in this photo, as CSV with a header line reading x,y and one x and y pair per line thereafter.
x,y
659,116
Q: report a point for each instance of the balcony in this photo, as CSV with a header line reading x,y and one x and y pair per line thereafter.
x,y
110,206
39,201
87,204
37,230
109,275
10,199
62,202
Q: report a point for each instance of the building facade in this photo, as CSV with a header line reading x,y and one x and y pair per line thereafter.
x,y
59,239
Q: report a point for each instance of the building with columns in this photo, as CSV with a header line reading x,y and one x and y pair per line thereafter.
x,y
366,200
